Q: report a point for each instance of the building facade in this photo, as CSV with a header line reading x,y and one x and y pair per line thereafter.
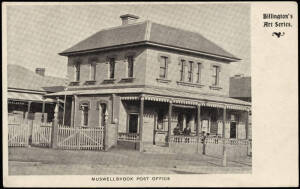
x,y
152,81
26,90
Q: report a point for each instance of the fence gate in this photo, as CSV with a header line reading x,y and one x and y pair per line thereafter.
x,y
41,134
80,138
18,134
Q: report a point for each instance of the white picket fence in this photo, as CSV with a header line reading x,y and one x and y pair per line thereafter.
x,y
80,138
41,134
18,134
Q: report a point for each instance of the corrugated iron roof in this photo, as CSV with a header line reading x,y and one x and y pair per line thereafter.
x,y
161,92
149,32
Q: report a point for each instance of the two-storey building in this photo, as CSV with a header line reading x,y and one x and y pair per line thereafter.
x,y
147,78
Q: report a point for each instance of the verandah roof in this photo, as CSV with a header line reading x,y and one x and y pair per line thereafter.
x,y
18,96
165,95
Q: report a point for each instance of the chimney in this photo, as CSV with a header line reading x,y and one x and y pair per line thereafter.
x,y
128,19
40,71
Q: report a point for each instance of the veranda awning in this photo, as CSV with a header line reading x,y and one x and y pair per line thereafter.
x,y
26,97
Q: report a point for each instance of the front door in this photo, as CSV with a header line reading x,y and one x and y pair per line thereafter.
x,y
233,130
133,123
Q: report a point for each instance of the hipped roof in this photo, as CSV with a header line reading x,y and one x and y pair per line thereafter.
x,y
149,33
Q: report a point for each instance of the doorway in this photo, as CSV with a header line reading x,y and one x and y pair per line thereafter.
x,y
133,121
232,129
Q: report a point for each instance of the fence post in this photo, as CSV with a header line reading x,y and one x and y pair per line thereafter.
x,y
105,131
204,145
54,131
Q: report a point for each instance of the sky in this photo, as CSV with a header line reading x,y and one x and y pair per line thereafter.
x,y
37,33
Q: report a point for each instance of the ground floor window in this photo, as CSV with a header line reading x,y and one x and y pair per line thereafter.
x,y
85,115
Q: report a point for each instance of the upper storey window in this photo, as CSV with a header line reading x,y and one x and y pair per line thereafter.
x,y
111,69
93,70
77,71
163,70
215,75
130,66
199,72
182,66
190,72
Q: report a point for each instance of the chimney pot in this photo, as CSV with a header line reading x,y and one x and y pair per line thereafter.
x,y
40,71
129,19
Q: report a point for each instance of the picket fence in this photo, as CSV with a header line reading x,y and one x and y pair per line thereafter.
x,y
41,134
80,138
18,134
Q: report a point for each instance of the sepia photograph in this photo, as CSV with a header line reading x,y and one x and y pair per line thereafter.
x,y
110,89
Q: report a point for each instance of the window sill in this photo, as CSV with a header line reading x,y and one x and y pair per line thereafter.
x,y
74,83
214,87
90,82
189,84
161,80
128,79
109,80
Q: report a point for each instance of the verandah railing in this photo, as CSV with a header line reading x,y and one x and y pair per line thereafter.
x,y
128,136
208,140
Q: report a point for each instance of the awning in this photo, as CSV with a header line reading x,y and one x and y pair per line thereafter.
x,y
96,91
26,97
166,95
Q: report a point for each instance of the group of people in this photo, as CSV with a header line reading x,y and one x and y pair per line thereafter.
x,y
187,131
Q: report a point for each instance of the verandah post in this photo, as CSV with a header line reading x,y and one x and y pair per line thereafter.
x,y
247,131
72,111
141,123
169,120
223,136
198,125
54,131
43,112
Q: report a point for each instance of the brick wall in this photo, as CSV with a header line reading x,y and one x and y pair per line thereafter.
x,y
152,71
102,67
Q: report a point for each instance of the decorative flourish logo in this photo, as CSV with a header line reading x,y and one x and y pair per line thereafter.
x,y
278,34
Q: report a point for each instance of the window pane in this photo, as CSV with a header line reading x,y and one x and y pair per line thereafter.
x,y
163,67
163,63
77,70
85,116
112,68
92,71
199,73
130,66
182,70
162,73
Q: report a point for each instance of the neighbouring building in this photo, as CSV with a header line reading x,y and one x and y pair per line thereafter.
x,y
25,93
240,87
143,79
